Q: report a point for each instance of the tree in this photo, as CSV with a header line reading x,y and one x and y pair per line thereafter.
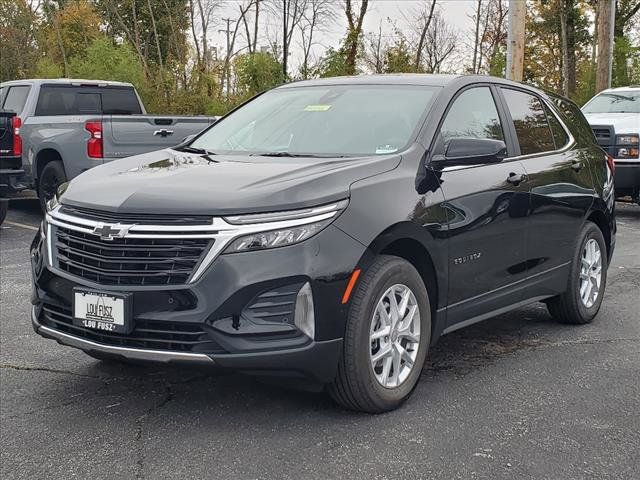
x,y
624,50
399,58
19,49
355,19
316,16
440,44
425,18
256,72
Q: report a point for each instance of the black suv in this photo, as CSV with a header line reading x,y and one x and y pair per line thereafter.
x,y
330,231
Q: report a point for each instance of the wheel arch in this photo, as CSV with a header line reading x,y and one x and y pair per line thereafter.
x,y
44,156
412,243
600,219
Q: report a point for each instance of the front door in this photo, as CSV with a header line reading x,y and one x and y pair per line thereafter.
x,y
487,206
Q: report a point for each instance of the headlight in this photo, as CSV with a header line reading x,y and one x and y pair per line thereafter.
x,y
287,228
631,139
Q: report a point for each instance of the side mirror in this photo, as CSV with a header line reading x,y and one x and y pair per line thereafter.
x,y
470,151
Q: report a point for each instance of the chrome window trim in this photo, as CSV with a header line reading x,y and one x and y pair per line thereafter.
x,y
219,230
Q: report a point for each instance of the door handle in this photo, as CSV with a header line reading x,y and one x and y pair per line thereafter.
x,y
516,178
163,133
577,165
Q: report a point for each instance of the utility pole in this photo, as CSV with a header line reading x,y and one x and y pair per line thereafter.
x,y
606,23
227,31
515,39
285,28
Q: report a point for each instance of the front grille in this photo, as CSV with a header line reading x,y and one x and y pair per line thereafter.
x,y
603,135
128,261
137,218
147,334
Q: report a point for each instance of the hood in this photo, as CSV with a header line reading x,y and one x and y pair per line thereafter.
x,y
172,182
622,122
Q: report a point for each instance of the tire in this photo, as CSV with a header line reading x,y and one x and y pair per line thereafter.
x,y
357,385
51,177
4,208
570,307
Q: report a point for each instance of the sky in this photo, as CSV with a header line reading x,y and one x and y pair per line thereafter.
x,y
456,12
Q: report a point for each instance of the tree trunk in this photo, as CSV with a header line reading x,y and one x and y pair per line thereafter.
x,y
605,44
474,65
423,35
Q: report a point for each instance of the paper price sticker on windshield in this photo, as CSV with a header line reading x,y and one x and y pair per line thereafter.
x,y
317,108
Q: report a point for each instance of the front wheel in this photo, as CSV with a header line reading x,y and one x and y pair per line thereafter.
x,y
581,301
386,339
51,177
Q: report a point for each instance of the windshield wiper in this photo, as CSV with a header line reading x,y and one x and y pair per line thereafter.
x,y
206,154
295,155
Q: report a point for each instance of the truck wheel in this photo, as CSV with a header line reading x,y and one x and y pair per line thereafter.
x,y
581,301
386,338
4,208
51,177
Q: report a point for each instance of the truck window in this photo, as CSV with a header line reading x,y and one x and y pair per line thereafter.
x,y
120,101
16,98
86,100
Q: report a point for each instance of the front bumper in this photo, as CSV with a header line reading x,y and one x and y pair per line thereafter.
x,y
227,337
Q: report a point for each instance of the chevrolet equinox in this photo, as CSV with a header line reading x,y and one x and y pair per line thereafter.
x,y
328,232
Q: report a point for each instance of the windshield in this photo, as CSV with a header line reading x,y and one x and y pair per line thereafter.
x,y
621,102
327,121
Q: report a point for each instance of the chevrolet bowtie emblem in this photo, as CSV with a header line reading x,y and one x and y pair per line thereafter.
x,y
109,232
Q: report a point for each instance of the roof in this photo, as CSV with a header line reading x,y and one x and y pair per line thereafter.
x,y
64,81
387,79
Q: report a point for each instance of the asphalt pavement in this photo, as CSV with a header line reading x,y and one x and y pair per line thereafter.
x,y
515,397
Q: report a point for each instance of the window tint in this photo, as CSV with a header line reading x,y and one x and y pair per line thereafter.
x,y
530,121
574,120
120,101
86,100
16,98
560,137
473,114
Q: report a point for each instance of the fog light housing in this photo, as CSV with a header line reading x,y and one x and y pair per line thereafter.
x,y
304,317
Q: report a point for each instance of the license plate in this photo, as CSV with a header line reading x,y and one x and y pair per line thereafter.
x,y
102,311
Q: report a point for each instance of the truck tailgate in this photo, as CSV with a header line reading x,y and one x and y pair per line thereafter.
x,y
126,135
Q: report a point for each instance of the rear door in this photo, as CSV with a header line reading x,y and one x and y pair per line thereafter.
x,y
487,213
560,183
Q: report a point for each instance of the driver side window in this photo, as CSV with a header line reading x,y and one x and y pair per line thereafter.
x,y
472,115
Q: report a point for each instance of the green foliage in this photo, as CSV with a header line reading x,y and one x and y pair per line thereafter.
x,y
399,58
47,68
18,43
624,55
105,60
256,72
333,64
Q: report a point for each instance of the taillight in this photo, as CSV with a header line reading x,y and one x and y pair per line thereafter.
x,y
611,163
16,123
94,145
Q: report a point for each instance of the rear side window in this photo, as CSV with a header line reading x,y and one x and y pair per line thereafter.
x,y
472,115
530,121
560,137
575,121
16,98
86,100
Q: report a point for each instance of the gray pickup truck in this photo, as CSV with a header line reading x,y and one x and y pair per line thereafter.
x,y
64,127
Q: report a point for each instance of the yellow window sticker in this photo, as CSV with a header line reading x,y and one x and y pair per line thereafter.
x,y
317,108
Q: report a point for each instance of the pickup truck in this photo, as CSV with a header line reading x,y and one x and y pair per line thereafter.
x,y
63,127
614,116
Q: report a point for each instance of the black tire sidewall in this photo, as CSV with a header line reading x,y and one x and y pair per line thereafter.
x,y
394,271
51,170
590,231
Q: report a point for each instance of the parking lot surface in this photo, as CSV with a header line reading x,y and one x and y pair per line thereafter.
x,y
517,396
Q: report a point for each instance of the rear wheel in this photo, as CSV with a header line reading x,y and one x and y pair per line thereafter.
x,y
51,177
587,280
386,339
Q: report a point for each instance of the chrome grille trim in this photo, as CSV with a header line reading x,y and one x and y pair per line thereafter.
x,y
219,230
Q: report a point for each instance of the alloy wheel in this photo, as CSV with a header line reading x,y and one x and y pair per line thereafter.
x,y
394,336
590,273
